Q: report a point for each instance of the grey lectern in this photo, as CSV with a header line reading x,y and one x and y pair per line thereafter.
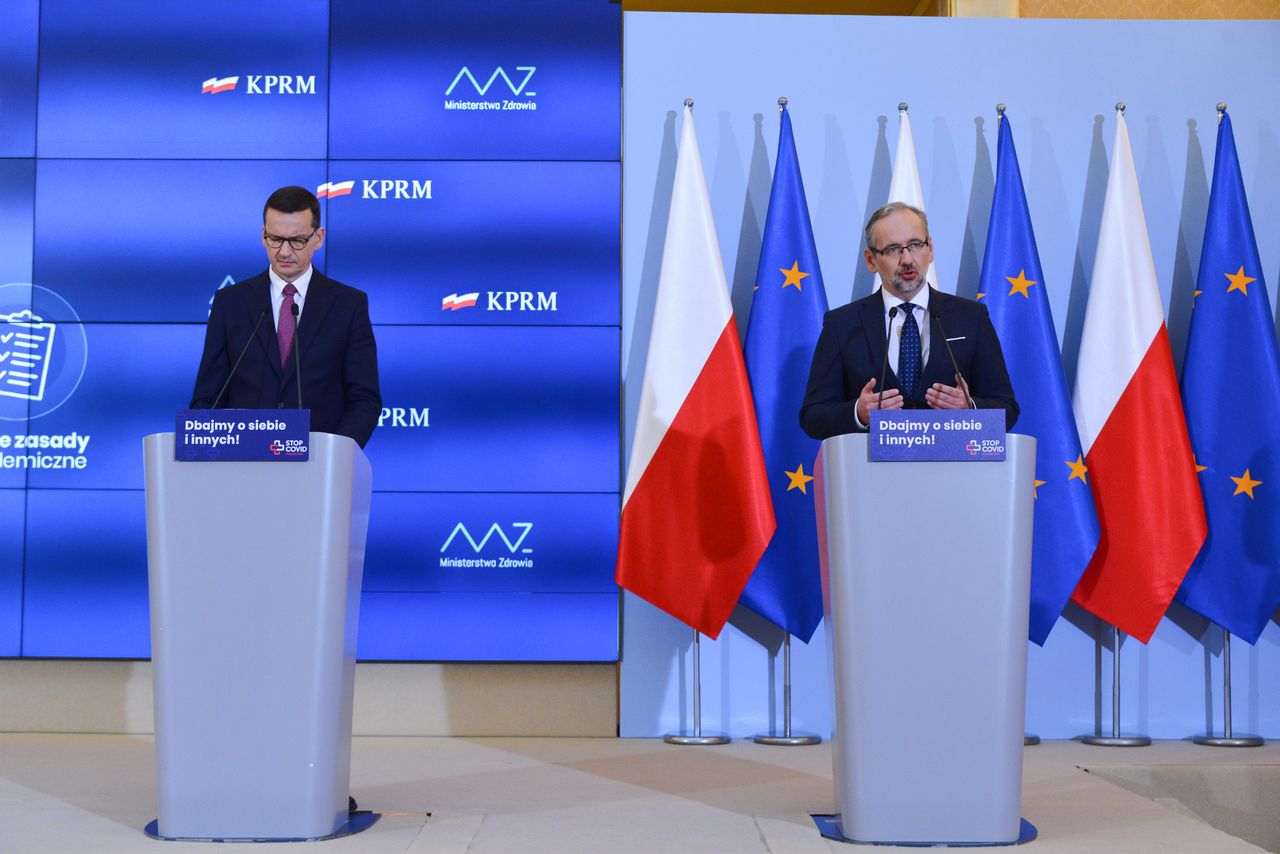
x,y
255,573
928,581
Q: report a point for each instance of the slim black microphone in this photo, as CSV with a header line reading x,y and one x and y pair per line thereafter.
x,y
297,360
964,385
239,359
884,363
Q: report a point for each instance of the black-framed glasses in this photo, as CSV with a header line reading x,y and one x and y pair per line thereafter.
x,y
297,243
895,251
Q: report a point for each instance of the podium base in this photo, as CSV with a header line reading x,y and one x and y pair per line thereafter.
x,y
831,828
688,738
1233,741
796,739
357,822
1116,740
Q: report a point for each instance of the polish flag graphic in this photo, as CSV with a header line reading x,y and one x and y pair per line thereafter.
x,y
214,85
453,302
329,190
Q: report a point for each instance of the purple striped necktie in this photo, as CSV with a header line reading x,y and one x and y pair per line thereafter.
x,y
286,325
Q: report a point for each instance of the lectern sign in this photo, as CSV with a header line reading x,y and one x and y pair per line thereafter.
x,y
932,435
242,435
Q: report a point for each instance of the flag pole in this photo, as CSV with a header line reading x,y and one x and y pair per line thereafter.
x,y
1116,739
1227,739
787,738
697,736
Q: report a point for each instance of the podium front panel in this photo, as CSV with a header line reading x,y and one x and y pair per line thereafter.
x,y
928,582
255,572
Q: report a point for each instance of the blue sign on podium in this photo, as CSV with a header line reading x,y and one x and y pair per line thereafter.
x,y
933,435
242,435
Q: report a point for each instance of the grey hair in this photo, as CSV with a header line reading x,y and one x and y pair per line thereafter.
x,y
893,207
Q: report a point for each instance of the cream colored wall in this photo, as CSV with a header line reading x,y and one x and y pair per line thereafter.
x,y
391,699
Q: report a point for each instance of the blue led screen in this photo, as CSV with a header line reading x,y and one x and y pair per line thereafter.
x,y
137,82
136,151
18,41
491,79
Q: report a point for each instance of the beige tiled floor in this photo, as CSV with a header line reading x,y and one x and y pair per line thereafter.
x,y
94,793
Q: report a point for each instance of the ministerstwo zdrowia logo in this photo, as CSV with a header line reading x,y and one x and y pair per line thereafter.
x,y
496,541
466,92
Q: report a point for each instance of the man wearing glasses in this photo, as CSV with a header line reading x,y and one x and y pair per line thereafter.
x,y
292,321
917,323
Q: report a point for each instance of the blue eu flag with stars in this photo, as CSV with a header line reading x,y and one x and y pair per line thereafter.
x,y
786,317
1231,395
1013,289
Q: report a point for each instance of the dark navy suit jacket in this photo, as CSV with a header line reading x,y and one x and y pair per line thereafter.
x,y
851,348
335,348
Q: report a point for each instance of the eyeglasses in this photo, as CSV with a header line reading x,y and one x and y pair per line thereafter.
x,y
895,251
297,243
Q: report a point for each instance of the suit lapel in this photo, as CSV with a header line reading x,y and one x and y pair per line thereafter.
x,y
259,300
871,313
320,296
939,367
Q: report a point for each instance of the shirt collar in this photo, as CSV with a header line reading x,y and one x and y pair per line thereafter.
x,y
301,283
921,299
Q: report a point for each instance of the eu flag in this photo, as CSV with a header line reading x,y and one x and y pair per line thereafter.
x,y
786,317
1066,526
1231,394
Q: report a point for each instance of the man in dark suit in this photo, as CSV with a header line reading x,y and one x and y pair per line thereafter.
x,y
850,353
292,305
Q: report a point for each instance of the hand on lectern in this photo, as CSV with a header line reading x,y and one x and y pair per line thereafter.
x,y
869,399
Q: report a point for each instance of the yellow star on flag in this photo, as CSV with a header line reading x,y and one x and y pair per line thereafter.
x,y
1199,468
1195,294
1036,487
1245,484
981,295
1078,469
1020,284
793,275
798,479
1239,282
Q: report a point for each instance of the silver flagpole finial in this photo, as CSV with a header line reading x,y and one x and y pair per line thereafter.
x,y
1000,108
688,102
1120,107
782,102
902,106
1222,108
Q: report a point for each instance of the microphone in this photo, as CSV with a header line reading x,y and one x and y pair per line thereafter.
x,y
240,358
884,363
964,386
297,360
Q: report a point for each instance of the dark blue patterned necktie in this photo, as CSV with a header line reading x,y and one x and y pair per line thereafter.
x,y
909,353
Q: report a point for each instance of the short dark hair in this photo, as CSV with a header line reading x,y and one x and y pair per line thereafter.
x,y
893,207
291,200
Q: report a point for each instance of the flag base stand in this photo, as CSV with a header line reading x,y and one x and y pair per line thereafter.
x,y
1228,737
796,739
1030,740
1229,741
787,738
1116,740
695,738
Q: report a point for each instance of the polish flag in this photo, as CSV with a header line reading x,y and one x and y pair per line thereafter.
x,y
329,190
1132,430
214,85
453,302
696,513
905,186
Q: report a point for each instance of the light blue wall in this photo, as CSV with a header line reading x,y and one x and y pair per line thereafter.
x,y
844,77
